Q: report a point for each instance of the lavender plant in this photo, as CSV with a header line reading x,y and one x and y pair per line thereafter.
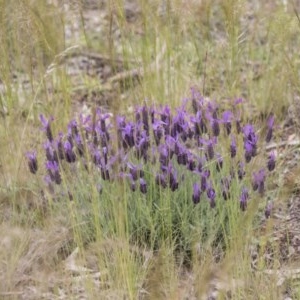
x,y
175,171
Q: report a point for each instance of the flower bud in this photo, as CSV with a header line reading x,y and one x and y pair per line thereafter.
x,y
32,162
244,199
196,193
271,162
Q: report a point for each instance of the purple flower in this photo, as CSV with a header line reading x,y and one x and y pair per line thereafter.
x,y
69,153
249,133
250,140
213,109
51,153
238,126
105,155
182,154
197,100
85,120
179,124
32,162
121,123
94,135
70,140
53,171
138,115
175,130
157,131
103,122
142,145
142,115
191,163
211,195
244,199
135,171
182,158
199,124
104,136
96,156
60,146
166,114
248,151
226,120
133,186
166,119
238,116
145,118
215,127
238,101
254,150
271,161
270,128
46,127
170,143
104,172
164,157
258,181
204,177
268,209
225,182
128,135
173,181
143,186
152,112
210,153
79,145
196,193
219,163
233,147
241,170
200,165
72,128
190,132
210,149
160,180
186,132
214,122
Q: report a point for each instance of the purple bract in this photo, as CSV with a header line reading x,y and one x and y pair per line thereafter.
x,y
32,162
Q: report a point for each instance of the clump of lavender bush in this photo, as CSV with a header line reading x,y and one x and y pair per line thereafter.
x,y
175,172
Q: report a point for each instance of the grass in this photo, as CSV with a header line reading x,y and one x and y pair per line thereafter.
x,y
227,49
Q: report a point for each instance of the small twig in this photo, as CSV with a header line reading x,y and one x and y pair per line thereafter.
x,y
93,55
106,58
133,73
281,144
138,72
10,293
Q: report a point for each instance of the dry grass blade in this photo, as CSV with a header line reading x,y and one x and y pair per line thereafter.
x,y
72,265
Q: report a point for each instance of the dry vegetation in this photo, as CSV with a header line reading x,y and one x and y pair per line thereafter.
x,y
62,58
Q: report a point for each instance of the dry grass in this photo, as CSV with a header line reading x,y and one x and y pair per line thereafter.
x,y
226,48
